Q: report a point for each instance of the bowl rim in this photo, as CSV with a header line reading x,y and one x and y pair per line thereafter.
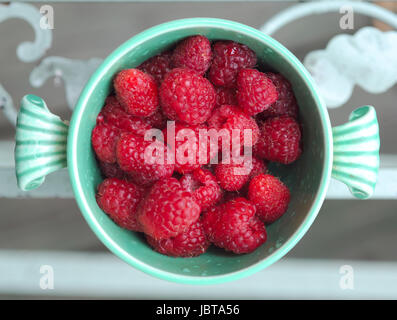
x,y
103,69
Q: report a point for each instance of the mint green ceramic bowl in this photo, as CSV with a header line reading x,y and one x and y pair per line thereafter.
x,y
349,152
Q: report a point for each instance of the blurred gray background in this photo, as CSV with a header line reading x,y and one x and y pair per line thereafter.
x,y
344,230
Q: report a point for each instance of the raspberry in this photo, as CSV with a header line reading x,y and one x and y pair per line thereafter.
x,y
190,151
255,91
232,118
232,176
144,161
286,103
280,140
189,183
234,226
229,58
190,243
187,96
111,170
157,120
258,166
167,210
203,186
104,139
225,96
114,114
119,199
270,196
137,92
157,66
193,53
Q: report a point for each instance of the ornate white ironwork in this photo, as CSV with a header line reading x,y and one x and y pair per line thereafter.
x,y
7,106
74,74
26,51
367,59
347,58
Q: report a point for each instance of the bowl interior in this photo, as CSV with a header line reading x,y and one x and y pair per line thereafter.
x,y
305,177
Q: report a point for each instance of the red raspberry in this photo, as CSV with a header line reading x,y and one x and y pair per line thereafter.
x,y
111,170
270,196
191,151
258,166
167,210
187,96
203,186
190,243
137,92
280,140
193,53
255,91
119,199
144,161
232,176
286,104
229,58
189,183
114,114
157,120
234,226
157,66
225,96
232,118
104,139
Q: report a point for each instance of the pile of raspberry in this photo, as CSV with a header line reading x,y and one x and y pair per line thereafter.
x,y
182,208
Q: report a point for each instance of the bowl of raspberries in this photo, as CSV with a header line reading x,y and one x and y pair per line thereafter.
x,y
200,151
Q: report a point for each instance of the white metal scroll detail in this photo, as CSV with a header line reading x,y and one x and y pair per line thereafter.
x,y
367,59
74,73
341,66
27,51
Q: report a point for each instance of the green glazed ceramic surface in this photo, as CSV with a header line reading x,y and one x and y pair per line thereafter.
x,y
40,146
307,178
